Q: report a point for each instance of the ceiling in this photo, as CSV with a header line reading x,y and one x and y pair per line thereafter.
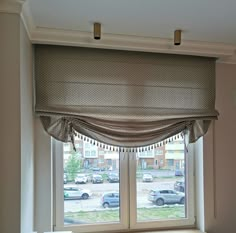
x,y
201,20
205,24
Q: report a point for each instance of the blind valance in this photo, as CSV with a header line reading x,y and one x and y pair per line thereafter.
x,y
123,98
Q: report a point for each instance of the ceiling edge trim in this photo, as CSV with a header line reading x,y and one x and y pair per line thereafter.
x,y
27,19
43,35
228,60
11,7
76,38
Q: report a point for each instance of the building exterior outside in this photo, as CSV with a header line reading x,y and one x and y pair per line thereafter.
x,y
169,156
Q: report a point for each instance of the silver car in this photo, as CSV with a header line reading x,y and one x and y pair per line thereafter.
x,y
161,197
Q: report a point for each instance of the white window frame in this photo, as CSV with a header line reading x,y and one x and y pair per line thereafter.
x,y
59,198
166,224
128,212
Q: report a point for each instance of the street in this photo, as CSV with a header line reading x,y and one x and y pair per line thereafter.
x,y
93,203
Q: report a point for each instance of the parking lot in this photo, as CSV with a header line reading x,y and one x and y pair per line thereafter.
x,y
93,203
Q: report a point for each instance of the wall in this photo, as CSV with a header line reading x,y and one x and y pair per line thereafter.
x,y
10,180
27,133
16,137
220,209
43,182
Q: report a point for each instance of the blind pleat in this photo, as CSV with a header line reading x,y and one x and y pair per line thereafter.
x,y
122,86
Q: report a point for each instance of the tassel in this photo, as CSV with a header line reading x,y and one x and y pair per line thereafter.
x,y
72,136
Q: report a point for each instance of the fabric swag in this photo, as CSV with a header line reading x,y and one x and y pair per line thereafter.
x,y
122,98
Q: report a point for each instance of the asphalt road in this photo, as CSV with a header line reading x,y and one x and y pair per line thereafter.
x,y
93,203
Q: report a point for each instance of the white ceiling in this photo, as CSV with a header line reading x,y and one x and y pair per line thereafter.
x,y
208,26
200,20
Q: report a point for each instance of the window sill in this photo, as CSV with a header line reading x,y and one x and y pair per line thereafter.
x,y
175,231
169,231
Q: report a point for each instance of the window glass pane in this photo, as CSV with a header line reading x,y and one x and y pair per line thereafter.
x,y
160,182
91,185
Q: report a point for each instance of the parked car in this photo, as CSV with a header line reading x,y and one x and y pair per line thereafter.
x,y
81,179
113,178
161,197
73,192
95,169
179,186
147,177
96,178
179,173
110,199
65,179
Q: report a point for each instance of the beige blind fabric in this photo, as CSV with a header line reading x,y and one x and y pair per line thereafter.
x,y
122,98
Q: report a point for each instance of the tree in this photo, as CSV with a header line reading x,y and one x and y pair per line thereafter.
x,y
73,165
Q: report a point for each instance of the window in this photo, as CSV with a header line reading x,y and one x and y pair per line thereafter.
x,y
90,151
170,162
155,97
119,194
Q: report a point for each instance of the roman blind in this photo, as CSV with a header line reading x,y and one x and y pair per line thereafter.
x,y
122,98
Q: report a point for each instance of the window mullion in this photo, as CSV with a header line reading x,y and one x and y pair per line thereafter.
x,y
124,186
132,186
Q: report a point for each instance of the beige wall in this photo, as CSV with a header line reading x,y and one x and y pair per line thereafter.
x,y
27,133
10,180
16,135
224,217
43,183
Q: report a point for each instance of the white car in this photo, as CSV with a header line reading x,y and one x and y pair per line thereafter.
x,y
81,179
147,177
73,192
